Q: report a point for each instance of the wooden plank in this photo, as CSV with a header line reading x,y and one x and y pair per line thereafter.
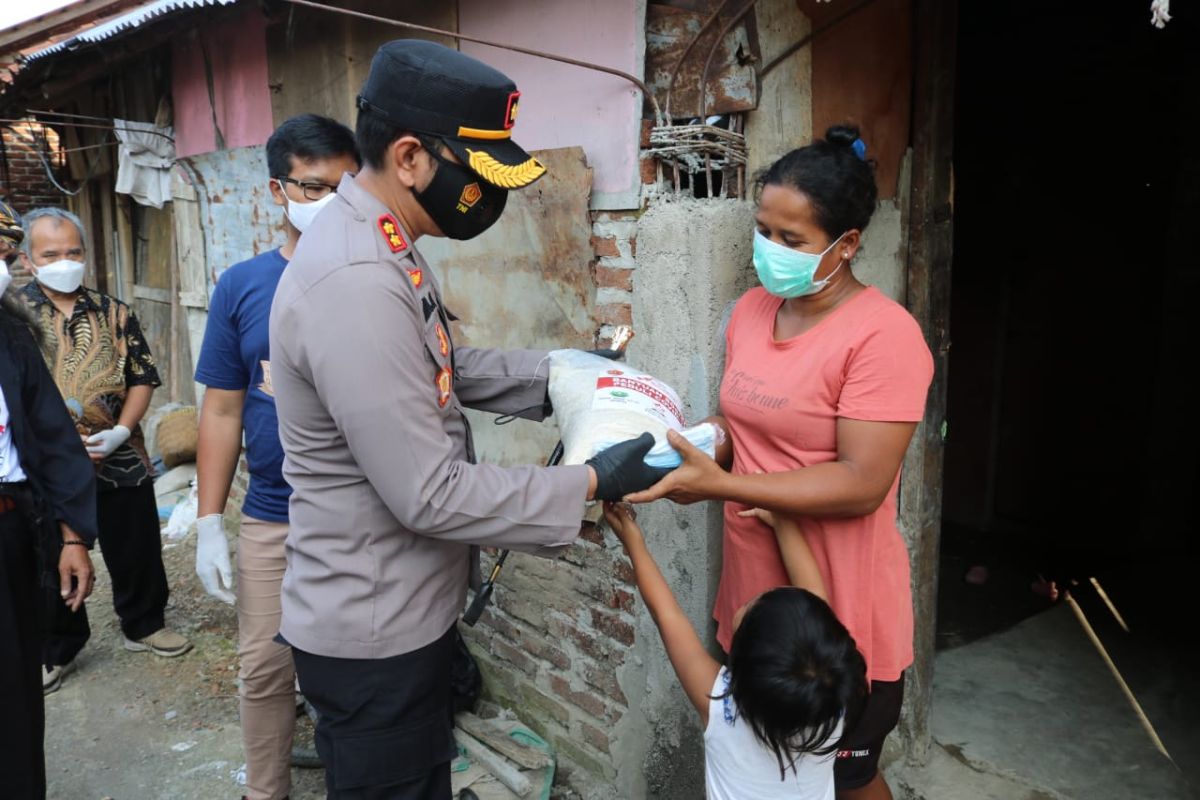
x,y
151,293
156,234
103,244
193,280
502,743
124,246
193,299
930,250
317,60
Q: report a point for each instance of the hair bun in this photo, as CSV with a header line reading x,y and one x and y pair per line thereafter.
x,y
842,135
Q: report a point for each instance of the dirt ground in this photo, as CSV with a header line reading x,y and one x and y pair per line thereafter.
x,y
129,726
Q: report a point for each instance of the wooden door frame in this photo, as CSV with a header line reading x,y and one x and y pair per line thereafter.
x,y
929,259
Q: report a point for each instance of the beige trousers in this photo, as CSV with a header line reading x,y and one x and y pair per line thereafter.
x,y
268,693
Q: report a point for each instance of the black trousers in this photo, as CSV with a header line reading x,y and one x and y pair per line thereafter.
x,y
384,727
22,759
131,544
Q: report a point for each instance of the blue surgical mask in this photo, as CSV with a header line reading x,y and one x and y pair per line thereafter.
x,y
785,272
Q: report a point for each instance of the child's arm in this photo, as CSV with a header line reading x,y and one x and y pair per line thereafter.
x,y
798,559
695,668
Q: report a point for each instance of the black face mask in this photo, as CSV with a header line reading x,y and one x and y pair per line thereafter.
x,y
460,203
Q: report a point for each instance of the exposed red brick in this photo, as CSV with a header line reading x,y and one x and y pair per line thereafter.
x,y
649,170
612,626
615,278
605,679
518,659
540,648
623,600
644,137
601,650
605,247
585,701
594,736
623,571
615,314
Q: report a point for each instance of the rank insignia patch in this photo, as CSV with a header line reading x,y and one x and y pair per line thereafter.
x,y
416,276
510,113
443,341
443,387
392,234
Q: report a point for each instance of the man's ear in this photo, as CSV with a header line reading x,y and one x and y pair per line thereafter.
x,y
408,160
27,263
277,193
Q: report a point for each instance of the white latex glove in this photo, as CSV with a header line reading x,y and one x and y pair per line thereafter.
x,y
105,442
212,558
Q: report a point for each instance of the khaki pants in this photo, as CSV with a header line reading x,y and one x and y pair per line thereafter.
x,y
268,693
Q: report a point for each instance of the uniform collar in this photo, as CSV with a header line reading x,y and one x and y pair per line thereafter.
x,y
366,207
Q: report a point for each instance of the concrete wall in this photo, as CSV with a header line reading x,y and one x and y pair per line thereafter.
x,y
693,260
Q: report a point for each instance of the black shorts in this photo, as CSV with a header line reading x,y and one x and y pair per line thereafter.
x,y
858,759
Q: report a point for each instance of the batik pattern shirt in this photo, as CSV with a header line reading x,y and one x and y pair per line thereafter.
x,y
95,356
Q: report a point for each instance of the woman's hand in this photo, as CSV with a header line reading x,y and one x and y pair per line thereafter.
x,y
696,479
623,521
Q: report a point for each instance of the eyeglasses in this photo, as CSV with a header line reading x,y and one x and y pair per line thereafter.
x,y
313,190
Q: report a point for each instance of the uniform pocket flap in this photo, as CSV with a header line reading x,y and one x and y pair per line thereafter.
x,y
382,758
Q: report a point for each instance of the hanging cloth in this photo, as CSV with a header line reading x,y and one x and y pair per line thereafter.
x,y
144,160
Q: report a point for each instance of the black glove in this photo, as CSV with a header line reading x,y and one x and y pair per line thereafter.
x,y
610,354
620,469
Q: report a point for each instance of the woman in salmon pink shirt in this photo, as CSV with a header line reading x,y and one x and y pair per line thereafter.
x,y
825,381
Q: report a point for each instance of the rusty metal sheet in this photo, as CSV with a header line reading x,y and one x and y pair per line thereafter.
x,y
732,80
236,212
525,283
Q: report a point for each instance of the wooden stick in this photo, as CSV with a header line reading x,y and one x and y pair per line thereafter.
x,y
1137,707
495,764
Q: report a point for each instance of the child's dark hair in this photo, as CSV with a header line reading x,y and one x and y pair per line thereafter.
x,y
794,673
836,179
306,137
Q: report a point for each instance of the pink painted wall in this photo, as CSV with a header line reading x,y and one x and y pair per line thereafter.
x,y
237,50
564,105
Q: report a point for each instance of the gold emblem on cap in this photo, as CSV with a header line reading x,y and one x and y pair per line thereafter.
x,y
504,175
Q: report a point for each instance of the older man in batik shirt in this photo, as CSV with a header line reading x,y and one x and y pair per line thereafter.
x,y
95,349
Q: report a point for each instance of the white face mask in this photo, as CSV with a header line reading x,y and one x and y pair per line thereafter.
x,y
302,214
5,278
62,276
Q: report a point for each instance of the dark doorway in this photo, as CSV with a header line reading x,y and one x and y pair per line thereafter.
x,y
1073,447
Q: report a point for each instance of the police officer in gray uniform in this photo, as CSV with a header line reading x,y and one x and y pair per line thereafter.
x,y
370,388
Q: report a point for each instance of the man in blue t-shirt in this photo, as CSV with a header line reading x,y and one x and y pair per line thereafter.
x,y
306,156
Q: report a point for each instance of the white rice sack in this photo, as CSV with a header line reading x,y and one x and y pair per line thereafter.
x,y
599,403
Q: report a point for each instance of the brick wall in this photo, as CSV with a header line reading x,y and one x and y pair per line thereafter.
x,y
550,646
558,631
27,186
614,242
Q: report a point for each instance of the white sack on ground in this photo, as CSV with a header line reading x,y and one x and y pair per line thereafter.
x,y
599,403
